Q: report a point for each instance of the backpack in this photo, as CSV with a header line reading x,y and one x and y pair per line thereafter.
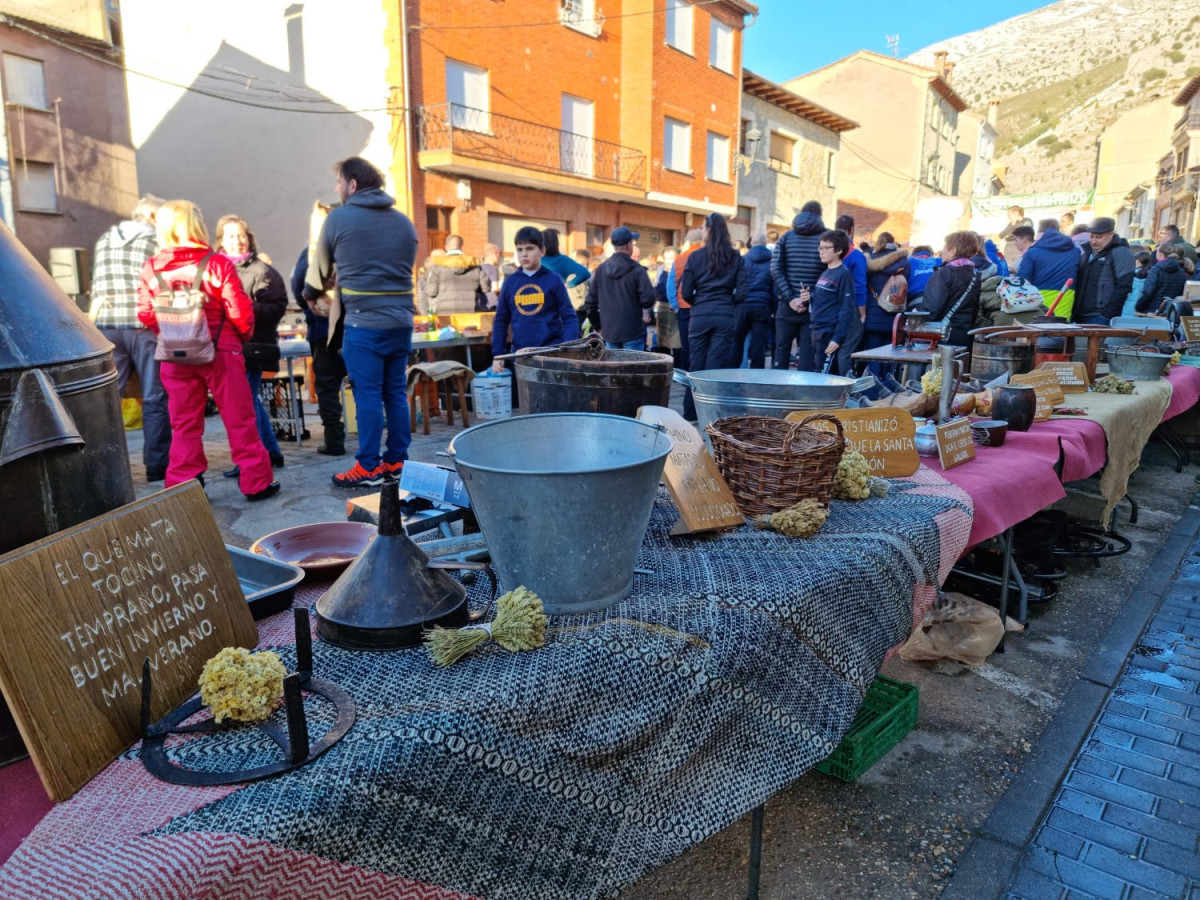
x,y
893,295
183,335
1018,295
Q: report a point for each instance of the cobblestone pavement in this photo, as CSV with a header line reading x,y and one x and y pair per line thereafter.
x,y
1126,820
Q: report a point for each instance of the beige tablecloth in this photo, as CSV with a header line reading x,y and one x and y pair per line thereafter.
x,y
1128,421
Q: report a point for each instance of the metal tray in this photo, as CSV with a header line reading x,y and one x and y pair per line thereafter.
x,y
269,585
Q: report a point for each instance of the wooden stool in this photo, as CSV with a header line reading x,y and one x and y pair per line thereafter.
x,y
425,392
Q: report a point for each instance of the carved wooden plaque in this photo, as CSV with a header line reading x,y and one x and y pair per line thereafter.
x,y
693,479
1047,390
1072,376
82,609
956,445
884,435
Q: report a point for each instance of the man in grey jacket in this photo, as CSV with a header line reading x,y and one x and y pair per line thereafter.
x,y
454,282
373,246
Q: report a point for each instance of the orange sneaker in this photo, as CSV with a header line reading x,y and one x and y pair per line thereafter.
x,y
359,477
393,469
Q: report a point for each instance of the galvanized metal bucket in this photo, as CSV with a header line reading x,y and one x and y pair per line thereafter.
x,y
563,500
720,393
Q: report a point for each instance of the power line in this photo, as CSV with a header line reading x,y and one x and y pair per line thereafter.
x,y
558,22
190,88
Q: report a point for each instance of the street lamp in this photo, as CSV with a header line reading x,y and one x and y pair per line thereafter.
x,y
753,135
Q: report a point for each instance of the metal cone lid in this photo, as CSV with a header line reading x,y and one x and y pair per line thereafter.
x,y
389,596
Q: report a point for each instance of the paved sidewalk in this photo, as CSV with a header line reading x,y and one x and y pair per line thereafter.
x,y
1124,821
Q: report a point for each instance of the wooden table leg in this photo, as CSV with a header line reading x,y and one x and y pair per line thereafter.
x,y
1093,356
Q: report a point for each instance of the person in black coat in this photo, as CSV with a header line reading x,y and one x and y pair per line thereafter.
x,y
266,290
710,279
1164,281
953,289
796,265
755,313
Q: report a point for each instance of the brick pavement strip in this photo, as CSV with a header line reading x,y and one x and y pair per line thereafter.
x,y
1129,758
1071,873
1151,827
1111,791
1135,871
1094,830
1126,822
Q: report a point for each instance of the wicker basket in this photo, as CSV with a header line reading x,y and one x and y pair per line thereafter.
x,y
771,464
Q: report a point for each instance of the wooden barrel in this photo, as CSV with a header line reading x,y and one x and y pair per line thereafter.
x,y
570,381
990,359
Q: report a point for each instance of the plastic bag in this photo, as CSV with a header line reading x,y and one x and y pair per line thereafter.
x,y
131,412
956,627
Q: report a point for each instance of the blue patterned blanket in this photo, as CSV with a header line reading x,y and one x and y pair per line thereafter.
x,y
569,771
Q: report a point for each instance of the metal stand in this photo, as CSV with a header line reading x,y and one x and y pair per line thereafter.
x,y
756,834
292,739
1175,443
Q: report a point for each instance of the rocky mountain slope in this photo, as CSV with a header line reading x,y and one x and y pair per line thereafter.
x,y
1067,71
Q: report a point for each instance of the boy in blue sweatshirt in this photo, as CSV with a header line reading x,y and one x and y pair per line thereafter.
x,y
533,301
831,303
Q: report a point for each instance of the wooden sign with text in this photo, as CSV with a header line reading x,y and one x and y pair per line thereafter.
x,y
1191,327
83,608
693,479
1072,376
955,443
1046,388
884,436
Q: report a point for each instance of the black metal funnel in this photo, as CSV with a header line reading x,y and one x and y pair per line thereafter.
x,y
389,595
37,419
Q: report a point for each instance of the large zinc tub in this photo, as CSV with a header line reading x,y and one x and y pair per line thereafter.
x,y
765,392
563,500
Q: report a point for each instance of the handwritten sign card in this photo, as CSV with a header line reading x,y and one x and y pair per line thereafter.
x,y
955,443
83,608
1072,376
1046,389
693,479
885,436
1191,327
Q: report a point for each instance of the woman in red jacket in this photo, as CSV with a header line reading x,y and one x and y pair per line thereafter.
x,y
183,248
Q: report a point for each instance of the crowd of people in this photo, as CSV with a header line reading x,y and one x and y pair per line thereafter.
x,y
807,299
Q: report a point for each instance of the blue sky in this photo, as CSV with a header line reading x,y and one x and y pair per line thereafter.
x,y
792,37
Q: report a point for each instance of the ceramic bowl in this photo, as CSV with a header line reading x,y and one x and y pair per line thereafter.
x,y
989,432
322,547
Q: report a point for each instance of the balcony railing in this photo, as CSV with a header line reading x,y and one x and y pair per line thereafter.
x,y
1190,120
482,135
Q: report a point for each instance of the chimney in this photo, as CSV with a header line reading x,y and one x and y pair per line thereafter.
x,y
939,61
294,16
993,112
947,71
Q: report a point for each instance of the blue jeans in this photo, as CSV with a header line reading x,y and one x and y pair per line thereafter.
x,y
133,350
634,344
375,361
261,419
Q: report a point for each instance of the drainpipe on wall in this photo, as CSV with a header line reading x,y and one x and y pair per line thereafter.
x,y
409,174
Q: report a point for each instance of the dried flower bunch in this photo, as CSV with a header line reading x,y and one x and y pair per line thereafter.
x,y
243,686
520,624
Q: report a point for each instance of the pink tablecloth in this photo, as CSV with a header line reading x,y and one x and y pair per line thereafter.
x,y
1185,390
1008,484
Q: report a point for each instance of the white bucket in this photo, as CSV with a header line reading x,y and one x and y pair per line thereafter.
x,y
491,394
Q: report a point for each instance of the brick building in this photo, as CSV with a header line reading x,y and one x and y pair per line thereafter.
x,y
66,159
548,113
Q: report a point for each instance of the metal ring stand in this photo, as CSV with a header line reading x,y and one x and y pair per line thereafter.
x,y
293,739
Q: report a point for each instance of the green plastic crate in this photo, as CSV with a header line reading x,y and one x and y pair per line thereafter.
x,y
888,713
